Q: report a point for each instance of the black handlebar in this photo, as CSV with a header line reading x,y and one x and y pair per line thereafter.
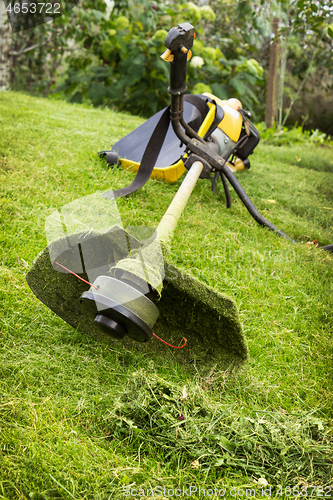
x,y
180,41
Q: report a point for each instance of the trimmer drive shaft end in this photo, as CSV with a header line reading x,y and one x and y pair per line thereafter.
x,y
119,309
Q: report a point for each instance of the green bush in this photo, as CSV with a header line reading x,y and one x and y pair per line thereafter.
x,y
285,136
118,60
113,59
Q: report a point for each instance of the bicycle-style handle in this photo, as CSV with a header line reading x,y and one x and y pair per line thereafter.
x,y
179,42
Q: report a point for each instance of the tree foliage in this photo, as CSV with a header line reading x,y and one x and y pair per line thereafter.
x,y
125,69
113,57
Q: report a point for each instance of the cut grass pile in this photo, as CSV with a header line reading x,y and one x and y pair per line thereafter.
x,y
265,443
80,419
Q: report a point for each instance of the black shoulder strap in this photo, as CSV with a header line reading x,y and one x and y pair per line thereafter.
x,y
156,140
200,102
149,157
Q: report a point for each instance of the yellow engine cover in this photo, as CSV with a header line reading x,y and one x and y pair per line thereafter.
x,y
232,120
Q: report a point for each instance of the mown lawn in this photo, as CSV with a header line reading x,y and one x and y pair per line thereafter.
x,y
87,420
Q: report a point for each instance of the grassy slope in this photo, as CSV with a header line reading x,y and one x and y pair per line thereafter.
x,y
68,405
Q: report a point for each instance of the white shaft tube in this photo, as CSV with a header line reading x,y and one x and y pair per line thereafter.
x,y
171,217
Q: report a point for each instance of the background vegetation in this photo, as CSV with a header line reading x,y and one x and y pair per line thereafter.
x,y
111,57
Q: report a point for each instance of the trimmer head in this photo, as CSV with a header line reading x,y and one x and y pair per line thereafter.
x,y
120,309
187,308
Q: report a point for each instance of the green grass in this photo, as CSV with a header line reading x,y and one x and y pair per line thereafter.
x,y
80,419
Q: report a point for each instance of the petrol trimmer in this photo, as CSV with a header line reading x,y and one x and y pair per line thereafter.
x,y
226,139
116,283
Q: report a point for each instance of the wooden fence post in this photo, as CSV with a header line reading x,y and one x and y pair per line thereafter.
x,y
4,48
272,72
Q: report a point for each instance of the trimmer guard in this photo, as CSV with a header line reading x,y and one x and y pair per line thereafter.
x,y
188,308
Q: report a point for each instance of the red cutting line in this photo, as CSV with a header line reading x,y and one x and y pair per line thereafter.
x,y
77,276
175,347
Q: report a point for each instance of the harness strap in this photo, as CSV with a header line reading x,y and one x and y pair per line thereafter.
x,y
150,156
156,141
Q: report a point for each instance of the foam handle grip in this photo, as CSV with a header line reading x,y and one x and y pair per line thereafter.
x,y
178,71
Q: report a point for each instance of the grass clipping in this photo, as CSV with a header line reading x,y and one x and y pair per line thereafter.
x,y
184,426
